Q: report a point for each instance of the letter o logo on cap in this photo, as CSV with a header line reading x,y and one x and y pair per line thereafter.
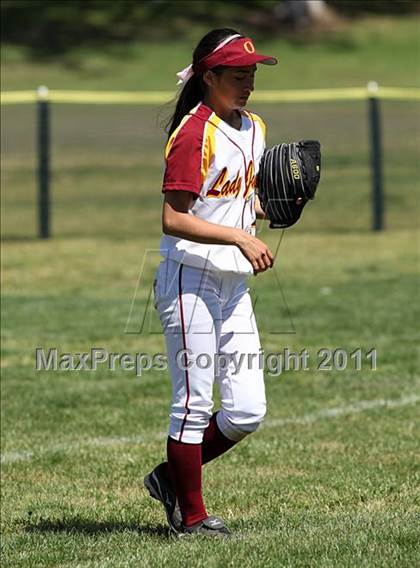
x,y
249,47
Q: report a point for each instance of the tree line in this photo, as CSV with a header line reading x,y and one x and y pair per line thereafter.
x,y
55,26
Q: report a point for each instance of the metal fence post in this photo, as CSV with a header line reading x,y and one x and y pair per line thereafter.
x,y
376,157
43,148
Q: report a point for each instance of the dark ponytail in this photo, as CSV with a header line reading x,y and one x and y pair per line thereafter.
x,y
194,89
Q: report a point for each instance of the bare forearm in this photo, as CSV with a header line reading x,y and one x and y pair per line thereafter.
x,y
178,222
186,226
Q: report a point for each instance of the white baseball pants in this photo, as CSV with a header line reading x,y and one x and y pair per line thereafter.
x,y
211,334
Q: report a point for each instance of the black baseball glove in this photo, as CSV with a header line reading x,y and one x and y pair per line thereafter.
x,y
287,179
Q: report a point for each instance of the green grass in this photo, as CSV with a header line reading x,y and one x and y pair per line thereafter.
x,y
383,49
335,491
106,162
307,489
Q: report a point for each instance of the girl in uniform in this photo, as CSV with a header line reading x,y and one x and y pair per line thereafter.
x,y
209,248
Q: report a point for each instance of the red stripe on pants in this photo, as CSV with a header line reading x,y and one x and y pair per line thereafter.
x,y
187,378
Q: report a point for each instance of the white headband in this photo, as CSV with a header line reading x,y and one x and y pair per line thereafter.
x,y
188,72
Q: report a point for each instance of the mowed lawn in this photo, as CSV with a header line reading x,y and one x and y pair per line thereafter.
x,y
330,479
332,476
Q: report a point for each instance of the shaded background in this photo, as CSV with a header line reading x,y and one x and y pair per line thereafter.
x,y
60,26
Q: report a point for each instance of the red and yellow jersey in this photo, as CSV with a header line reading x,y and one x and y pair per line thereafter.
x,y
219,164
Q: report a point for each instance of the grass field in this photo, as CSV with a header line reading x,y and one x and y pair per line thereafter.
x,y
312,487
383,49
107,162
332,476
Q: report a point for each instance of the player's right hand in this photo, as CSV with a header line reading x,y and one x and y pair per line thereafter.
x,y
256,251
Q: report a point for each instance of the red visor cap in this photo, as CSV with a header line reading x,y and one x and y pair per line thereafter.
x,y
237,53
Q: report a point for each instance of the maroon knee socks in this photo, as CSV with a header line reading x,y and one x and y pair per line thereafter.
x,y
184,467
214,442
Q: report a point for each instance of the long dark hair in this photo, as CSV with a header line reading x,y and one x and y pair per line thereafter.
x,y
194,89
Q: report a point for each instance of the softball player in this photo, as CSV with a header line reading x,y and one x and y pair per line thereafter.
x,y
209,249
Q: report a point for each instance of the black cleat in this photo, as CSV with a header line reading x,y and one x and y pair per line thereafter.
x,y
160,487
211,526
